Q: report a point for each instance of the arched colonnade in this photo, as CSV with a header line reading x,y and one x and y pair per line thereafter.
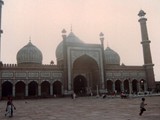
x,y
127,86
31,88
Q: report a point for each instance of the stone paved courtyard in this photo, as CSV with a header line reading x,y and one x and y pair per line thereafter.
x,y
83,108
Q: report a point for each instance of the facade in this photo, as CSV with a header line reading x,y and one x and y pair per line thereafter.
x,y
81,68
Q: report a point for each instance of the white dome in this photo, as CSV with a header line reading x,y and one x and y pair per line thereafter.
x,y
70,38
111,57
29,54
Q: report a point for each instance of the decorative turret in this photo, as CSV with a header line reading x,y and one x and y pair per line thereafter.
x,y
64,33
146,51
101,35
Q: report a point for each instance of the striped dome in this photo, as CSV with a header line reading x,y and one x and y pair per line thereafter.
x,y
29,54
111,57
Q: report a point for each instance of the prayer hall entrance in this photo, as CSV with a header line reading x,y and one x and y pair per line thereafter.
x,y
80,85
86,75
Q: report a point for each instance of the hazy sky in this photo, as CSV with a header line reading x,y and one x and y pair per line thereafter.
x,y
43,21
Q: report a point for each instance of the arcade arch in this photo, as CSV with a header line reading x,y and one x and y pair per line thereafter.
x,y
45,88
109,86
7,89
57,88
20,89
126,86
33,89
118,86
142,85
134,86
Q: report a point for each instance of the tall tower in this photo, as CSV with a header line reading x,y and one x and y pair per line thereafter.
x,y
101,35
146,51
1,31
1,3
65,70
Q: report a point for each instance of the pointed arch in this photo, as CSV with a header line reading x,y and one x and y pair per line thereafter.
x,y
126,86
7,89
33,88
142,82
118,86
45,88
57,88
80,85
88,66
20,89
134,86
109,86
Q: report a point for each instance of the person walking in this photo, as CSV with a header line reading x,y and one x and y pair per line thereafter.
x,y
74,95
9,108
142,108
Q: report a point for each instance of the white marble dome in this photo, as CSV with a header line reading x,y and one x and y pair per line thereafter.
x,y
29,54
70,38
111,57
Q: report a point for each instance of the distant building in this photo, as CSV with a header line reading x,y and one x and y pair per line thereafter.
x,y
81,68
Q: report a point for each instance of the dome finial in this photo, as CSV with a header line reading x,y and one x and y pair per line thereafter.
x,y
29,38
107,43
71,27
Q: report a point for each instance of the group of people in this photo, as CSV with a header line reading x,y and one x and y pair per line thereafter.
x,y
10,106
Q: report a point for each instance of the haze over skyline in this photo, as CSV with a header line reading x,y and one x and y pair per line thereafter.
x,y
43,21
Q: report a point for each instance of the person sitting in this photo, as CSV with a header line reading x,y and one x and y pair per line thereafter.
x,y
123,95
104,96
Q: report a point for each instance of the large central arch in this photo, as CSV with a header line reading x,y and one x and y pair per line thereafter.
x,y
89,68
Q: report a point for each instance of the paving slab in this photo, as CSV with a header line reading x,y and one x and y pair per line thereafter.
x,y
83,108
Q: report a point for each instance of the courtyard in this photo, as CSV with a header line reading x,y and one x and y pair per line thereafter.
x,y
83,108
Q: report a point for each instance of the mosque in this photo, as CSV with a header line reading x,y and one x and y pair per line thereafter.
x,y
81,68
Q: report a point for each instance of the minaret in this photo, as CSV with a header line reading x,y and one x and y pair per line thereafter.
x,y
101,35
1,31
65,73
146,51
